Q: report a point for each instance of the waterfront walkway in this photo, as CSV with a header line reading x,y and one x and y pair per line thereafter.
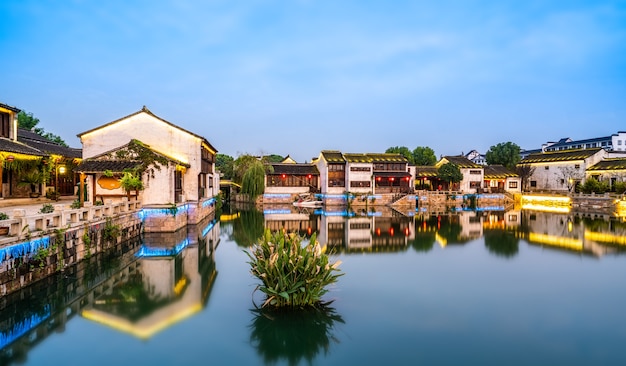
x,y
31,205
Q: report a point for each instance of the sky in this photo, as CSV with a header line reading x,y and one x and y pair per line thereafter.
x,y
297,77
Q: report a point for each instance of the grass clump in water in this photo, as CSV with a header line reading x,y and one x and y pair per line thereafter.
x,y
293,275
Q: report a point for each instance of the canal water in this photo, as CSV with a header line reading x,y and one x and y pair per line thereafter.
x,y
432,288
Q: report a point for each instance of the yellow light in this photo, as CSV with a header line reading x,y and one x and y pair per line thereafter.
x,y
605,238
62,169
556,241
441,240
125,326
560,204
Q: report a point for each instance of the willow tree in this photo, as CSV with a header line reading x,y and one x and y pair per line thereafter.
x,y
253,181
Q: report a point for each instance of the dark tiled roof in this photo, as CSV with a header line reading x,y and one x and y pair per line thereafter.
x,y
19,148
498,172
387,158
147,111
357,158
12,109
295,169
41,143
565,155
333,156
425,171
609,164
461,161
99,166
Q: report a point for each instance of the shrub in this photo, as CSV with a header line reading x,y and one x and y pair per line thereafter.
x,y
292,275
75,204
46,208
619,187
4,216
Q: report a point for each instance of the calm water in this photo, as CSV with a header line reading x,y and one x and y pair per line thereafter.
x,y
485,288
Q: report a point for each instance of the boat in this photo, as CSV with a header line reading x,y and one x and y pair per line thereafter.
x,y
306,200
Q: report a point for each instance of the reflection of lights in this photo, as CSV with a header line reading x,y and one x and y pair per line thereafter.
x,y
621,208
407,231
560,204
309,230
180,285
22,327
441,240
544,208
231,217
146,252
135,329
208,228
378,231
391,231
557,241
570,225
605,238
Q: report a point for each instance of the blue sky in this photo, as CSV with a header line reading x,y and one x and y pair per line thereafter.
x,y
296,77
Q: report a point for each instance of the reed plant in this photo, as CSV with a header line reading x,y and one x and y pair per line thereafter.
x,y
292,274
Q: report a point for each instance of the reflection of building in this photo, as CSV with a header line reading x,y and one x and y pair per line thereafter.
x,y
367,232
584,235
173,280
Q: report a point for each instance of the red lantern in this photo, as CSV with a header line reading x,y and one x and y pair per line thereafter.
x,y
309,176
283,176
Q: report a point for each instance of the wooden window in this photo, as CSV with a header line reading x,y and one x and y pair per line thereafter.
x,y
513,184
5,124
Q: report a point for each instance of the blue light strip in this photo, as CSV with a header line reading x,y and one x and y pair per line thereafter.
x,y
269,212
208,228
276,195
209,202
150,252
154,212
23,327
21,249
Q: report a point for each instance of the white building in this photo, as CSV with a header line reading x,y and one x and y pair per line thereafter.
x,y
188,176
561,171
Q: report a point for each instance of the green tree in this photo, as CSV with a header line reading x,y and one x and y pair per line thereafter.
x,y
504,153
241,165
450,173
402,150
28,121
253,181
424,155
273,158
225,163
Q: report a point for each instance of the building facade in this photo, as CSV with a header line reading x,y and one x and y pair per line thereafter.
x,y
187,176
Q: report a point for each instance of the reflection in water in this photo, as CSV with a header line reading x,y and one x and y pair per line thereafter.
x,y
171,280
293,336
248,228
501,243
344,231
135,293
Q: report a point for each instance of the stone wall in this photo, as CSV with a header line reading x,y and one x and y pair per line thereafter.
x,y
25,263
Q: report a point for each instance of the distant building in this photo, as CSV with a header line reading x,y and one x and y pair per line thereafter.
x,y
612,143
476,157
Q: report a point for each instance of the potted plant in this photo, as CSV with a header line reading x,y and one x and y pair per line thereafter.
x,y
4,230
32,179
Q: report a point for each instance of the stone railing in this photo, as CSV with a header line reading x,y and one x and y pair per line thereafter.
x,y
23,225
